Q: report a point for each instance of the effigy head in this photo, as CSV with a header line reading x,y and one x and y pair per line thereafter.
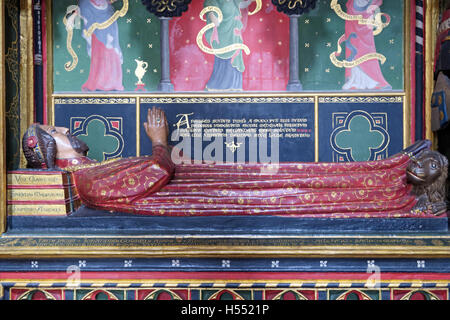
x,y
39,148
42,144
427,168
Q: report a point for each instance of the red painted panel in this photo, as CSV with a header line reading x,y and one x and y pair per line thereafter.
x,y
266,34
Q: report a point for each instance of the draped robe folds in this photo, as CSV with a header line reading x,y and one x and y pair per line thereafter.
x,y
229,66
153,185
103,47
360,42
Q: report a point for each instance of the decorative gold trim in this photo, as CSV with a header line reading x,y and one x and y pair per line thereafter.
x,y
89,165
347,290
206,95
221,290
49,66
438,237
47,294
2,125
138,125
302,297
248,99
104,290
156,290
362,99
408,295
95,100
407,107
294,284
431,25
316,129
26,69
435,24
230,252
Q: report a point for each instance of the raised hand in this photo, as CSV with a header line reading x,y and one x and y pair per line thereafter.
x,y
157,127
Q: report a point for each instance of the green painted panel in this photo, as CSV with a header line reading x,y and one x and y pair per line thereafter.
x,y
138,39
360,138
319,32
96,135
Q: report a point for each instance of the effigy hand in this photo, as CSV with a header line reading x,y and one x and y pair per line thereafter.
x,y
157,127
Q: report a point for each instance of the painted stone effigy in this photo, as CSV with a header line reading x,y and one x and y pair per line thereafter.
x,y
405,185
343,45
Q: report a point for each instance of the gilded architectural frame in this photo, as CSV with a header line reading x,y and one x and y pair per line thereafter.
x,y
433,246
2,121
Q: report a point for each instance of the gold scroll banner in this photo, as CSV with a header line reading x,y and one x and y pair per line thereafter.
x,y
376,21
116,15
229,48
70,65
258,7
354,63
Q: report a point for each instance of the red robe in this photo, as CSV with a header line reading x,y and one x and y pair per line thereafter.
x,y
153,185
106,68
364,43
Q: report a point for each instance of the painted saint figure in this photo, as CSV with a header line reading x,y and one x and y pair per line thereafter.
x,y
228,66
399,186
102,46
359,39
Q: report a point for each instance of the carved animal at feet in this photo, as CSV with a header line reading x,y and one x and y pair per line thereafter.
x,y
428,174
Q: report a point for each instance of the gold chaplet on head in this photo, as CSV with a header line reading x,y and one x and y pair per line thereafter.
x,y
32,142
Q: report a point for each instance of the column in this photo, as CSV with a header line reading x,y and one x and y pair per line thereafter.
x,y
165,85
294,82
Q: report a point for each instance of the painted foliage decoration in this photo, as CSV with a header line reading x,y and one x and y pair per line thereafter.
x,y
167,8
204,55
294,7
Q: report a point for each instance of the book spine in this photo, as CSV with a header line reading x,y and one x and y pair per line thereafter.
x,y
28,194
43,209
45,186
43,202
41,179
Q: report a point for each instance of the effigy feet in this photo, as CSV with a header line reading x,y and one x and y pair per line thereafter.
x,y
427,172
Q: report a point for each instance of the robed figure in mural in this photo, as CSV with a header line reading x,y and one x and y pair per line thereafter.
x,y
406,185
101,32
363,20
360,42
228,64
